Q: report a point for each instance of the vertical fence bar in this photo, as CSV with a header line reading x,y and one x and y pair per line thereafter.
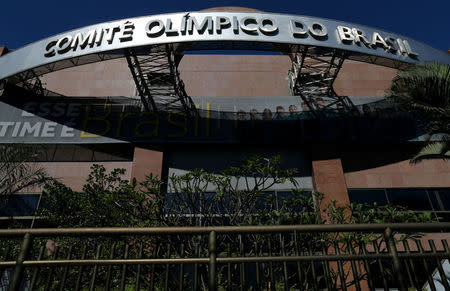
x,y
108,273
152,277
66,270
80,272
340,269
50,277
36,269
299,266
392,248
196,267
368,270
258,278
326,268
212,261
313,268
94,272
425,266
444,281
353,266
413,268
181,279
152,268
380,266
138,273
271,276
19,270
285,271
242,265
123,278
166,272
229,268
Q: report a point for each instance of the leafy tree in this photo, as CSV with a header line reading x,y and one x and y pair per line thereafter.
x,y
18,170
427,89
107,199
241,197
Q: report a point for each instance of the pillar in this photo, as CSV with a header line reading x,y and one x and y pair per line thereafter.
x,y
146,161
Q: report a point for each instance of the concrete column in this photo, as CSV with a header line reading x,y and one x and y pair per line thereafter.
x,y
329,179
146,161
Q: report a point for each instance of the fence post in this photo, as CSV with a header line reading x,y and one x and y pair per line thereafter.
x,y
17,277
212,261
392,248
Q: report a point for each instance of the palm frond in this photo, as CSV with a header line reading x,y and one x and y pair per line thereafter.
x,y
433,150
19,170
426,88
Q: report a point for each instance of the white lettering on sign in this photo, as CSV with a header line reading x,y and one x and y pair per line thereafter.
x,y
90,39
356,36
247,25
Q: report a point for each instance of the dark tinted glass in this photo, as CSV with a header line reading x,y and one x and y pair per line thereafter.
x,y
414,199
267,201
443,216
210,203
292,201
444,195
283,197
84,153
169,203
367,196
20,205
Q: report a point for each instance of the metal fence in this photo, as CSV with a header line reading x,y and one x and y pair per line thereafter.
x,y
298,257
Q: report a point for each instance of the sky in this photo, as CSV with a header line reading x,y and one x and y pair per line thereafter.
x,y
23,22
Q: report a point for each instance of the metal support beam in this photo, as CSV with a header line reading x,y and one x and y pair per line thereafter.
x,y
312,75
30,81
158,81
141,82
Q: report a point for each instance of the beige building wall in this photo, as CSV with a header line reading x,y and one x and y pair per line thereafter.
x,y
235,75
74,174
108,78
431,173
362,79
242,75
218,75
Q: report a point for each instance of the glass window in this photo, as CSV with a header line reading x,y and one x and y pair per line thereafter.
x,y
283,197
64,153
290,201
444,196
82,153
20,205
367,196
267,200
414,199
443,216
45,153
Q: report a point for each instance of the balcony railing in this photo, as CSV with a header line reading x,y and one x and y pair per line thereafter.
x,y
297,257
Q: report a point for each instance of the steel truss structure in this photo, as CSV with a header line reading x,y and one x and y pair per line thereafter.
x,y
158,81
30,81
312,75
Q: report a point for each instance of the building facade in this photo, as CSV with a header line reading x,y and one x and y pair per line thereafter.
x,y
94,114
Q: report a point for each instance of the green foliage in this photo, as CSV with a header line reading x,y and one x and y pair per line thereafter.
x,y
242,198
106,200
427,89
